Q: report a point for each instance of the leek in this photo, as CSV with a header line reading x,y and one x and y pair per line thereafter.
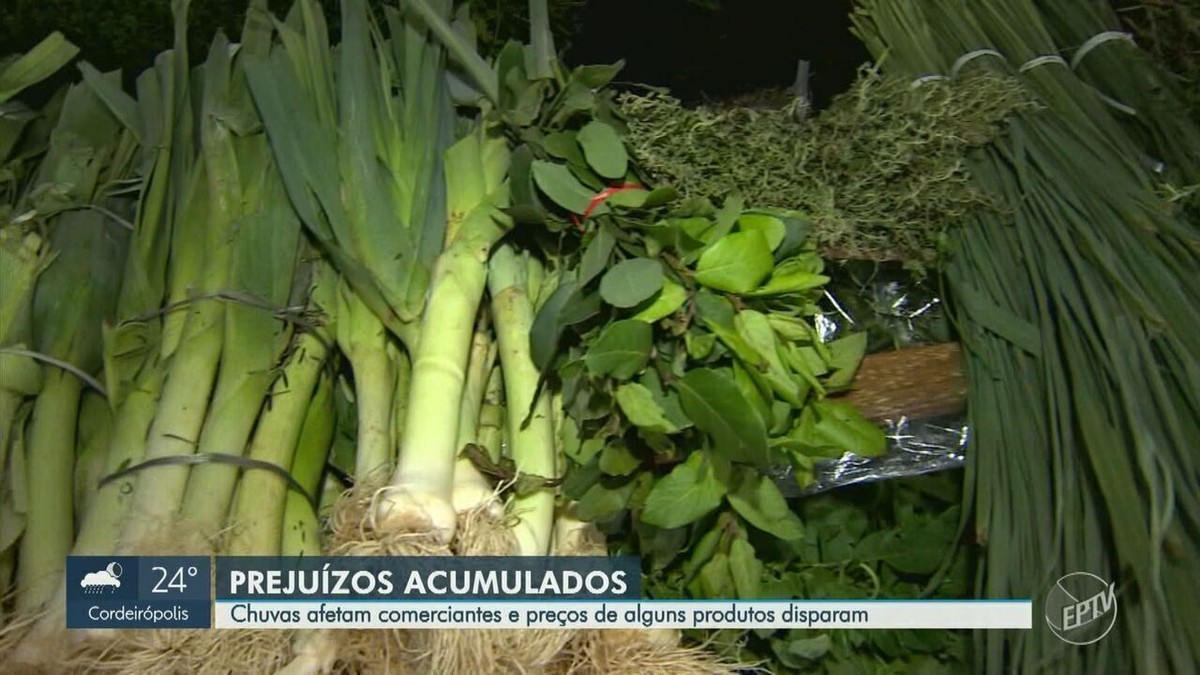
x,y
364,340
312,651
73,296
23,257
471,488
133,371
262,270
533,440
301,533
63,323
419,496
93,435
236,169
259,508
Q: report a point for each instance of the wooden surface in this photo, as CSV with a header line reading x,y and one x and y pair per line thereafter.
x,y
916,382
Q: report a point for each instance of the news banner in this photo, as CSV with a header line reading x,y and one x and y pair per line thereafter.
x,y
458,592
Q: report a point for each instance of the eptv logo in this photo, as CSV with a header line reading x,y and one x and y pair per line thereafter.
x,y
1081,608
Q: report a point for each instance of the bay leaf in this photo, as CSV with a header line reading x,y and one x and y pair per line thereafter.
x,y
631,282
603,149
640,408
621,351
561,186
716,406
736,263
689,492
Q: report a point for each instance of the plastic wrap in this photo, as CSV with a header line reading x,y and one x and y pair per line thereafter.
x,y
897,309
915,447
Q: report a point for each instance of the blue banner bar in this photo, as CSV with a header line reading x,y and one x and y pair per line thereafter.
x,y
139,592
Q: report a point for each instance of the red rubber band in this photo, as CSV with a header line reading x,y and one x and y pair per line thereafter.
x,y
599,199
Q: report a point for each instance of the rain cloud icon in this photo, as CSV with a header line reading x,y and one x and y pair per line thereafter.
x,y
107,579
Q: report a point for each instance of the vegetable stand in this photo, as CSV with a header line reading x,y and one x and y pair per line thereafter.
x,y
369,290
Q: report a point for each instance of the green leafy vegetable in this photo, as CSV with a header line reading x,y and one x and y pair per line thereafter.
x,y
757,499
736,263
604,149
621,351
667,302
638,404
686,494
714,404
562,187
630,282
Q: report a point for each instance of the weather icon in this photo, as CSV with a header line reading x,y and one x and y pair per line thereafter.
x,y
106,580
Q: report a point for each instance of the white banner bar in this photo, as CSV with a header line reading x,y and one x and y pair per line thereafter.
x,y
369,614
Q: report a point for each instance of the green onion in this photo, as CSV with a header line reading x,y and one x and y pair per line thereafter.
x,y
1074,307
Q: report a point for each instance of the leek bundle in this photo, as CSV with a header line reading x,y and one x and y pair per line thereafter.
x,y
195,350
73,196
412,250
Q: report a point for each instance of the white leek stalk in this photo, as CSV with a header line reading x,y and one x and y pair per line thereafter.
x,y
419,497
532,440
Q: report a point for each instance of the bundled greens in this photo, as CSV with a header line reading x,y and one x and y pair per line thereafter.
x,y
1145,98
72,195
1169,30
365,291
444,276
1076,305
25,254
422,280
879,173
881,541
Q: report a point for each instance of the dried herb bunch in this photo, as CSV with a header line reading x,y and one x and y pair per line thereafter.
x,y
880,173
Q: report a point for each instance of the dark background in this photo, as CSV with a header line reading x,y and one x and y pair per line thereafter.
x,y
743,46
699,49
